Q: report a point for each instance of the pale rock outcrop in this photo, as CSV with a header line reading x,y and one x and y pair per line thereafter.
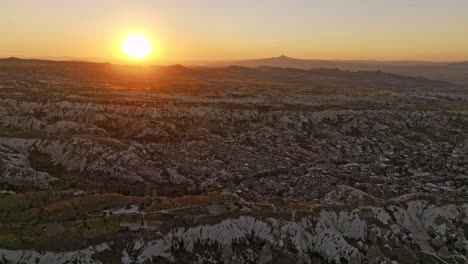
x,y
15,168
331,236
84,256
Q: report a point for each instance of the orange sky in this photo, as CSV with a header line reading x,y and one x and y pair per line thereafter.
x,y
220,29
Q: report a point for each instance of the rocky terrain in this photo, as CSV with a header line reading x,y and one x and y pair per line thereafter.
x,y
417,229
282,165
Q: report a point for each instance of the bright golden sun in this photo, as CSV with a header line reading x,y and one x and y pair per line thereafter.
x,y
137,46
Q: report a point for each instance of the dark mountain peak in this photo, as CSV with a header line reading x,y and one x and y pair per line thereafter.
x,y
175,68
178,66
11,59
284,58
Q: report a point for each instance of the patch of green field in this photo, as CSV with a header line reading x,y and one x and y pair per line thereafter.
x,y
21,202
189,200
56,206
37,236
23,216
99,226
9,240
79,207
14,202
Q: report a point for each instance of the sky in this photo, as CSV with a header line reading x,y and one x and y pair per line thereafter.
x,y
186,30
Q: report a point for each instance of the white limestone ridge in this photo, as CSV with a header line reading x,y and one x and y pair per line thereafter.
x,y
344,236
84,256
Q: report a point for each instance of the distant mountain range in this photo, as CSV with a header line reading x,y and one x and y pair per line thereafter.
x,y
456,72
236,79
285,61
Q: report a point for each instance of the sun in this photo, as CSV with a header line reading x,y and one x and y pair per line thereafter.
x,y
137,46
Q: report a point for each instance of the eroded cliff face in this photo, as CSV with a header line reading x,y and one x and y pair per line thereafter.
x,y
412,230
199,148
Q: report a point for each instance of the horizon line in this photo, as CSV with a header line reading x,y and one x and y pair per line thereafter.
x,y
197,61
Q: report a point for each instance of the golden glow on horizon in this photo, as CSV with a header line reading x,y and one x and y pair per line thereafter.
x,y
201,31
137,46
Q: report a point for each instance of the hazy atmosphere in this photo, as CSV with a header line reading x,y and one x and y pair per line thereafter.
x,y
220,29
234,132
